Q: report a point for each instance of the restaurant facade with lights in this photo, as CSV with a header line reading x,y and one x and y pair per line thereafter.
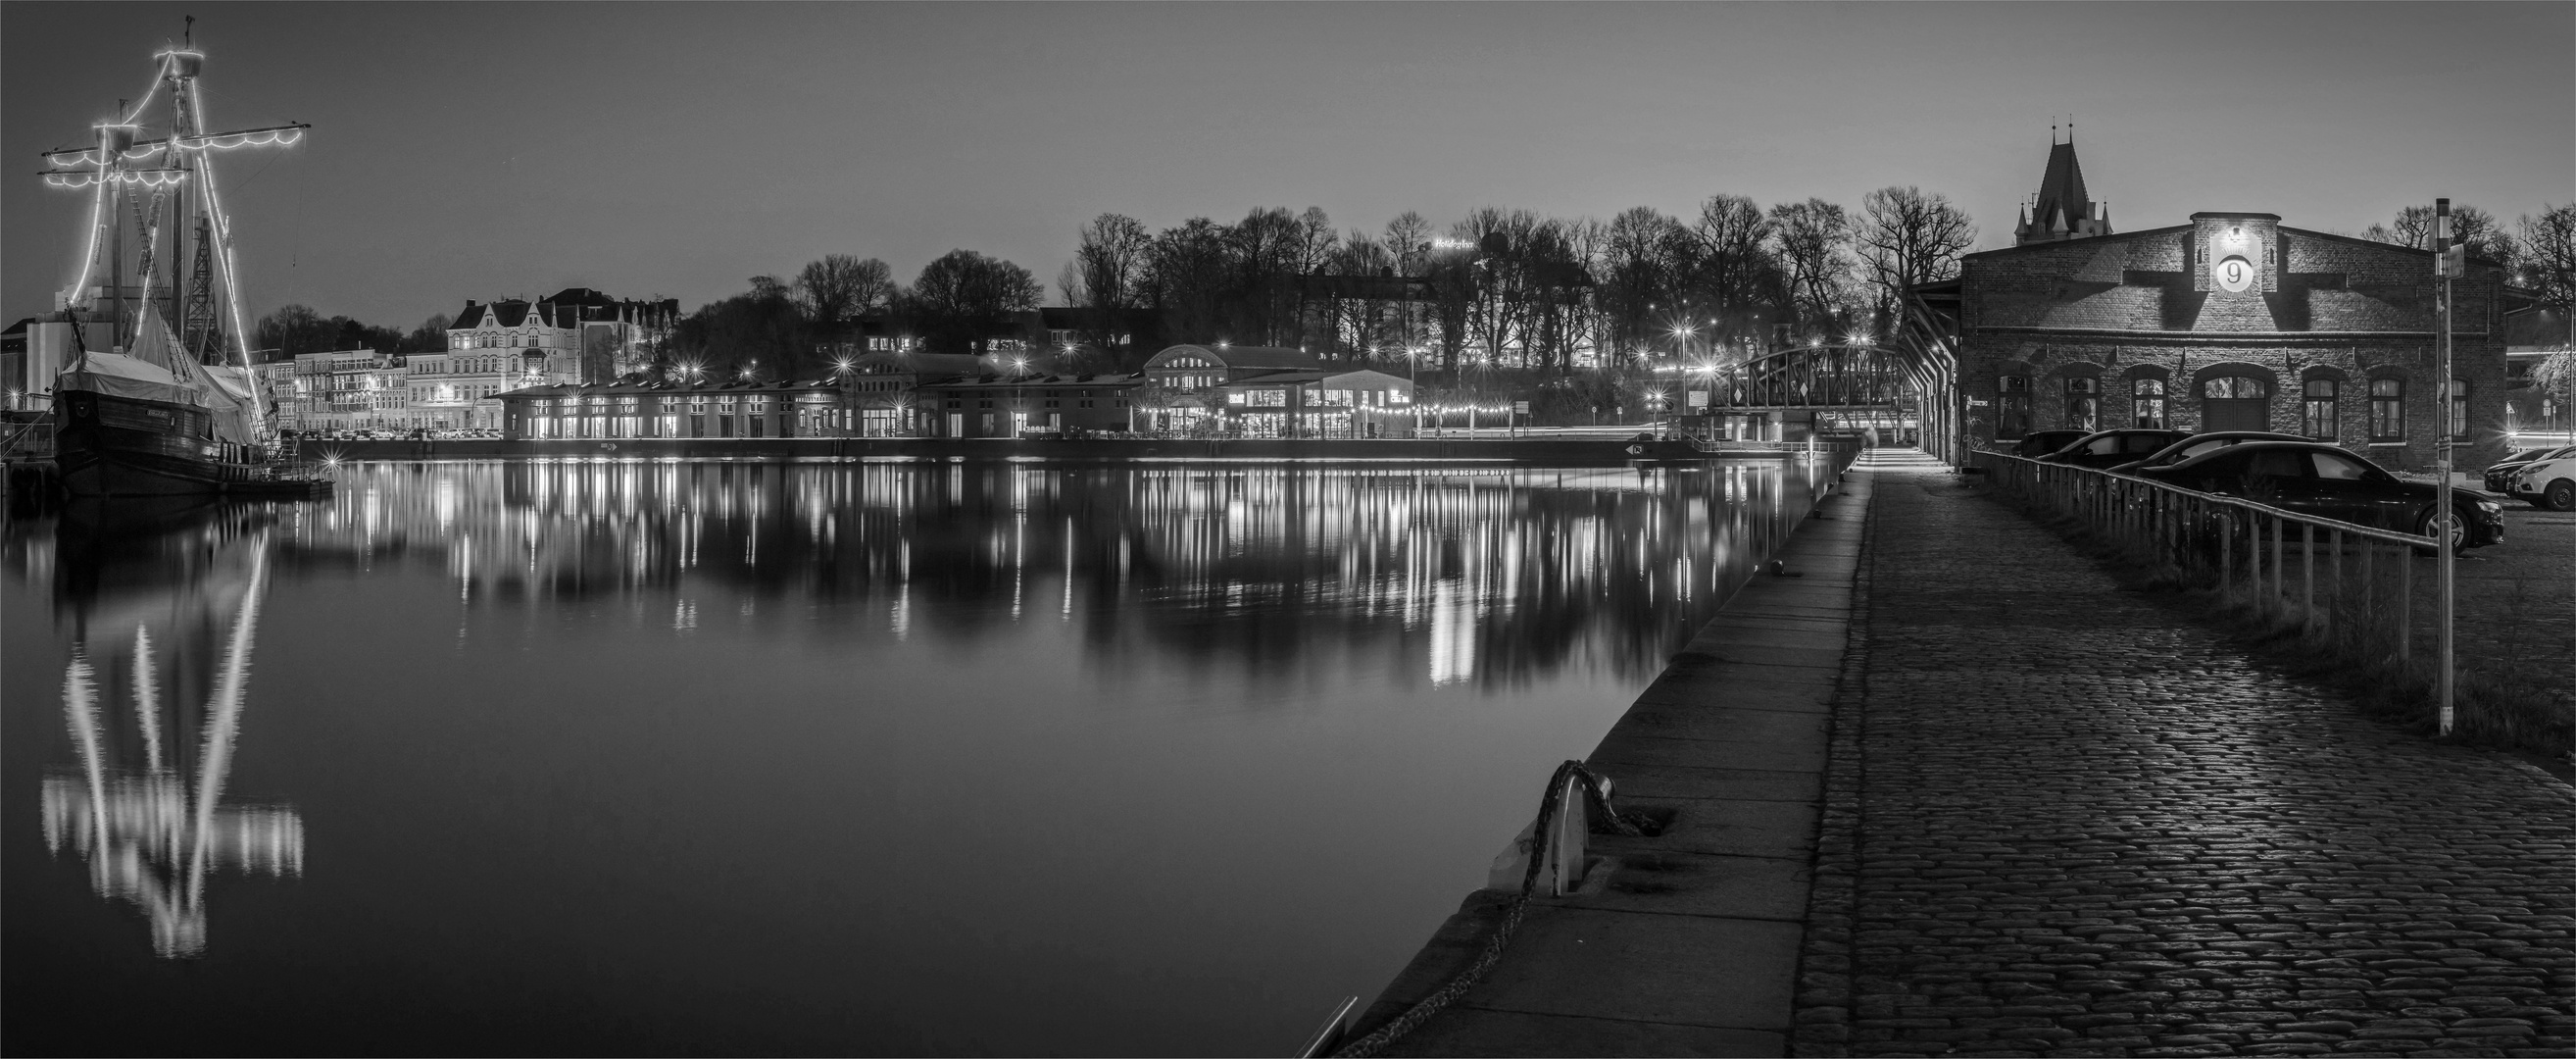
x,y
1268,392
1015,406
676,410
2234,321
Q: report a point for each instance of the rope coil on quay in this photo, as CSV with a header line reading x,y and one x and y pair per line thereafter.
x,y
1601,817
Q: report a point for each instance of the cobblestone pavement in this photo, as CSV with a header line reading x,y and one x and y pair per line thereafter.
x,y
2061,820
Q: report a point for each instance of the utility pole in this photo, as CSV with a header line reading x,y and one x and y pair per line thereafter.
x,y
2448,262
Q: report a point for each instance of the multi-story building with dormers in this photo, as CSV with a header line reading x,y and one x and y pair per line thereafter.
x,y
576,335
353,389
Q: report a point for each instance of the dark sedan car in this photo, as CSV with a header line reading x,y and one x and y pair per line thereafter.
x,y
2499,475
2039,443
2320,480
2200,443
2110,448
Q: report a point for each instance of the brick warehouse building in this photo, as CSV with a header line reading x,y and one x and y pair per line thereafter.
x,y
2231,322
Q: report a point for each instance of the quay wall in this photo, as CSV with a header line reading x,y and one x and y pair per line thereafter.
x,y
1569,451
1686,942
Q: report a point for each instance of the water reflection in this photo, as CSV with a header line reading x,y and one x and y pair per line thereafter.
x,y
164,611
886,758
1449,575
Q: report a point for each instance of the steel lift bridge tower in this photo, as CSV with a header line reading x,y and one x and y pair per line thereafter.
x,y
155,205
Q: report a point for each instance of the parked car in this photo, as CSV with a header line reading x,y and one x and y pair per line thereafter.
x,y
2039,443
2548,482
2110,448
2320,480
2499,475
2200,443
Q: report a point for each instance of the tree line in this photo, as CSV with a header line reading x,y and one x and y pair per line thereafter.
x,y
1499,288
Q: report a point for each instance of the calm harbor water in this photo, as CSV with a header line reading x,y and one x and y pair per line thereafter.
x,y
942,758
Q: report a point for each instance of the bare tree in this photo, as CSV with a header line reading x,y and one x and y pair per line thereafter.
x,y
1114,260
1068,284
1729,273
1812,240
2548,266
1639,276
839,288
2476,228
1905,238
1269,252
1408,243
964,298
1187,281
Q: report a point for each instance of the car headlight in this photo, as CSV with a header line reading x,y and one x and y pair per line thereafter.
x,y
2489,506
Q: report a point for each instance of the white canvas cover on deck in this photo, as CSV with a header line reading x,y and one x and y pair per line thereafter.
x,y
157,369
123,376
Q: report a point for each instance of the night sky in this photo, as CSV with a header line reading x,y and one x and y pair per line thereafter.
x,y
477,151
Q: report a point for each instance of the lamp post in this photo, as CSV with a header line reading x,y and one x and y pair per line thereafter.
x,y
1412,385
842,376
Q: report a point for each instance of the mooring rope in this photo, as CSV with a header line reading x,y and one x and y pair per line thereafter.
x,y
1457,986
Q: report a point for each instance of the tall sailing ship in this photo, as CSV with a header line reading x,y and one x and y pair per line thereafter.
x,y
170,405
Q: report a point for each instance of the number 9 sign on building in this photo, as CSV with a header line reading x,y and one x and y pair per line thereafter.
x,y
2234,275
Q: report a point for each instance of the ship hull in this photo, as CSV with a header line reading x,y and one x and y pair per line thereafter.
x,y
109,445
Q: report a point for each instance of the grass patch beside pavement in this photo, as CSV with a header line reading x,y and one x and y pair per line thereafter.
x,y
2496,703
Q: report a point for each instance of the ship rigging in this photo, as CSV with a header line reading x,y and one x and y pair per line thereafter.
x,y
159,395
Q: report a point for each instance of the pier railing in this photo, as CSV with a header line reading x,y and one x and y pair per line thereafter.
x,y
31,439
2351,587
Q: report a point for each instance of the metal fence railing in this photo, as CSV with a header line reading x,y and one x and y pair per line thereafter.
x,y
29,439
2351,586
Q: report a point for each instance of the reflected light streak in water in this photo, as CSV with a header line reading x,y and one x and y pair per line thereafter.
x,y
782,712
1460,553
152,836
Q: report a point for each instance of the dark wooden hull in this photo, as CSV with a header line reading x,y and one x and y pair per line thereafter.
x,y
105,445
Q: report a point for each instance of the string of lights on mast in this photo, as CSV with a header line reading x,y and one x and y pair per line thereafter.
x,y
142,189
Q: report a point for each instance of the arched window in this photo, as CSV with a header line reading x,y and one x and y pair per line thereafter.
x,y
2317,413
2459,409
2012,406
2147,403
2083,403
2387,409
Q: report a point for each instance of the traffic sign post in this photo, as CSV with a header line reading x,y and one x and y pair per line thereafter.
x,y
2448,261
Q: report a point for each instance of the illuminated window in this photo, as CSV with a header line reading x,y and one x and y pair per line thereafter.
x,y
2147,403
2387,409
2459,408
2317,414
2083,403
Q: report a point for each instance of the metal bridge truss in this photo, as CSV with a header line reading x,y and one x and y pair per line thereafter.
x,y
1835,377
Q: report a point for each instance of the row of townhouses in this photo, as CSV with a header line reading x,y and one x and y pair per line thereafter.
x,y
576,335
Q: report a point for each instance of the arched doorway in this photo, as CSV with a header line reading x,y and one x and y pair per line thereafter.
x,y
2235,402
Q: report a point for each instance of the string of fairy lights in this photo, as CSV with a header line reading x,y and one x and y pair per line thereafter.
x,y
184,157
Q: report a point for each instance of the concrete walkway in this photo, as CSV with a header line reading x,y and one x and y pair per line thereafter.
x,y
2063,820
1686,943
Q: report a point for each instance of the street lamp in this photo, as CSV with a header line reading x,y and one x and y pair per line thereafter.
x,y
1413,394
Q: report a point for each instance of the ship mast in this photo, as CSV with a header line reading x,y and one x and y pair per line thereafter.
x,y
197,253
